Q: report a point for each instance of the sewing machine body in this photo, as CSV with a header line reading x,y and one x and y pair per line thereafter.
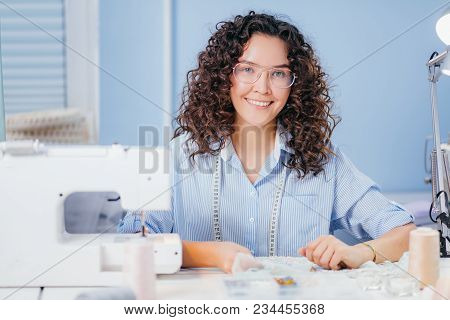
x,y
35,248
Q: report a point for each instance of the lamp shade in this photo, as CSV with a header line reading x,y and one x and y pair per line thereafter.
x,y
445,68
443,27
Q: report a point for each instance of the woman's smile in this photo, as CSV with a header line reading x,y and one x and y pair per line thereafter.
x,y
259,104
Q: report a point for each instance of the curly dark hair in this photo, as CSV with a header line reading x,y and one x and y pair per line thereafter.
x,y
207,114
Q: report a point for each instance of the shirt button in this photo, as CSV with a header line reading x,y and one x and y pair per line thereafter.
x,y
253,193
251,219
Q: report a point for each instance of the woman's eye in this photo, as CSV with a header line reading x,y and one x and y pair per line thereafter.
x,y
247,70
279,74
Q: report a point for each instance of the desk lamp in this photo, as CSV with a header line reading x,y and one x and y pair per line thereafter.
x,y
437,65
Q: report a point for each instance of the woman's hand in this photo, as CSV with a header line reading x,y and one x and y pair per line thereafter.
x,y
331,253
224,254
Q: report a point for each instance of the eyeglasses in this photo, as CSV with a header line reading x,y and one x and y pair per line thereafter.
x,y
281,78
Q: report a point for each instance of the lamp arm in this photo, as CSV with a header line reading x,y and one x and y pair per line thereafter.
x,y
436,60
441,205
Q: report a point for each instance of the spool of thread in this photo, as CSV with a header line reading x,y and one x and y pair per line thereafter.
x,y
139,269
442,288
424,255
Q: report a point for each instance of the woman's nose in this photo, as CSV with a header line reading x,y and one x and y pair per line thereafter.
x,y
262,85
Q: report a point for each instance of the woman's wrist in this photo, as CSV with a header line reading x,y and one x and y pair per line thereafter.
x,y
367,253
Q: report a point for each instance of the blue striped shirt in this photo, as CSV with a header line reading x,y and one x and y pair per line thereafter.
x,y
340,197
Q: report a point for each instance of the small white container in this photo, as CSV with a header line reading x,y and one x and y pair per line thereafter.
x,y
424,255
139,269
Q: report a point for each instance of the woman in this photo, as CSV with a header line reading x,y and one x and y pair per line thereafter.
x,y
255,168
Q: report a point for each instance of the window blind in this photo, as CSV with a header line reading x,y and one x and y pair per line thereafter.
x,y
33,61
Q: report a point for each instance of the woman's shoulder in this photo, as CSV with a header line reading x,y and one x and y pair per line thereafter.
x,y
181,148
345,170
182,144
337,160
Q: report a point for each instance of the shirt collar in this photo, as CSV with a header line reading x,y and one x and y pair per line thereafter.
x,y
227,152
280,144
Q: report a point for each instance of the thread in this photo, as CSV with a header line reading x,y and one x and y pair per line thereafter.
x,y
442,290
139,269
424,255
243,261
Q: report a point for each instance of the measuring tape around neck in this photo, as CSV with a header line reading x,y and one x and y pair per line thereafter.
x,y
273,224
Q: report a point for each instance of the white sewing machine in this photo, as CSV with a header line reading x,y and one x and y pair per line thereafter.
x,y
36,180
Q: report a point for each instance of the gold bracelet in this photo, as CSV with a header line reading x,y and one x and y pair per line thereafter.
x,y
373,250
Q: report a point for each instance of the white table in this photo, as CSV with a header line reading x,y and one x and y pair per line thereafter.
x,y
20,294
194,284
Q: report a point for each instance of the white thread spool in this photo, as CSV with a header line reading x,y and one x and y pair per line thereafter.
x,y
442,290
424,255
139,269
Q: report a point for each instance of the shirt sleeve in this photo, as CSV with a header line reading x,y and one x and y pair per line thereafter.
x,y
359,207
156,222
